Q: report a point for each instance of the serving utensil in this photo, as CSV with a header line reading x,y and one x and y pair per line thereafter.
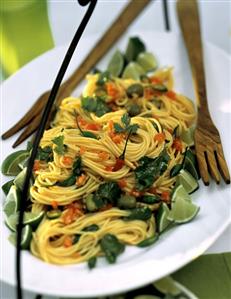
x,y
31,120
207,139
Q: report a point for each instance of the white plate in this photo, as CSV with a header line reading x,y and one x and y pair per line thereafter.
x,y
136,267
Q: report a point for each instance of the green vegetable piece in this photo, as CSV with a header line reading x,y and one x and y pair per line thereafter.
x,y
156,127
92,262
90,203
144,79
91,228
103,78
10,165
150,169
147,61
149,241
60,148
111,246
76,239
53,214
126,202
89,134
134,48
45,154
143,213
6,186
160,87
116,64
135,90
125,120
175,132
109,192
133,71
151,199
77,166
133,109
68,182
96,105
118,128
175,170
190,164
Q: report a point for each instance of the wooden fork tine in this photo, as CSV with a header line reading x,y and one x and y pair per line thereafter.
x,y
212,165
222,165
203,168
30,129
28,117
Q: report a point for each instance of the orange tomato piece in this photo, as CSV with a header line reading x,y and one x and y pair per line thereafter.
x,y
92,127
67,160
122,183
112,90
103,155
165,195
82,150
155,80
177,144
81,180
171,94
67,242
109,168
159,137
36,165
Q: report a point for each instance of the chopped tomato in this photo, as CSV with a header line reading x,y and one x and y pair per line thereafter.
x,y
36,165
136,193
171,94
103,155
160,137
148,93
81,180
155,80
54,204
177,144
118,164
165,195
112,90
67,242
82,150
67,160
117,138
153,190
105,208
109,168
74,210
93,127
111,125
81,121
122,183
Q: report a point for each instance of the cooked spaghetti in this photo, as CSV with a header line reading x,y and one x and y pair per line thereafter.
x,y
89,168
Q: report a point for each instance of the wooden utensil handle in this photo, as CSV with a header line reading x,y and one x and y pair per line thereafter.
x,y
131,11
188,16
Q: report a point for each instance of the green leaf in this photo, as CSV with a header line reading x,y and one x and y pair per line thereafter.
x,y
175,170
96,105
134,48
148,241
89,134
60,148
143,213
103,78
151,199
92,262
77,166
126,120
118,128
45,154
91,228
111,247
68,182
133,128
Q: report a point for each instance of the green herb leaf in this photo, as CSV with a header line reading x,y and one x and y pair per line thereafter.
x,y
111,246
91,228
148,241
77,166
60,148
103,78
126,120
118,128
92,262
175,170
68,182
143,213
151,199
96,105
133,128
89,134
45,154
150,169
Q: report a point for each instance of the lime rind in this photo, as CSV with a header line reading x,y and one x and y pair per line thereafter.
x,y
26,237
20,178
180,192
162,220
188,136
10,166
12,202
133,71
185,179
6,187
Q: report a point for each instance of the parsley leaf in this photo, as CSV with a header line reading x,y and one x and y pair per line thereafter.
x,y
126,120
60,147
45,154
96,105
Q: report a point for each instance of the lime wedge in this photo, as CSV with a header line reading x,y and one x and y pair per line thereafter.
x,y
185,179
33,219
188,136
20,178
6,187
182,210
12,221
133,71
10,164
147,61
26,237
190,164
53,214
116,64
11,204
180,192
167,285
162,220
134,48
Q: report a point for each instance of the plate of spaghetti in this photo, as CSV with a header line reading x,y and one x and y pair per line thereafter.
x,y
115,200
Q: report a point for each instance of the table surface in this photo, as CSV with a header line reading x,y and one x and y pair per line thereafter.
x,y
216,28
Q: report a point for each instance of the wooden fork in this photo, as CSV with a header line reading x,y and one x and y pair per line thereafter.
x,y
208,145
32,118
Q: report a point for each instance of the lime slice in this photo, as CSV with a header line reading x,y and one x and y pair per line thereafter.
x,y
182,211
180,192
167,285
6,187
20,178
134,48
190,164
133,71
12,221
33,219
10,164
188,136
162,220
147,61
11,204
53,214
23,163
116,64
26,237
185,179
